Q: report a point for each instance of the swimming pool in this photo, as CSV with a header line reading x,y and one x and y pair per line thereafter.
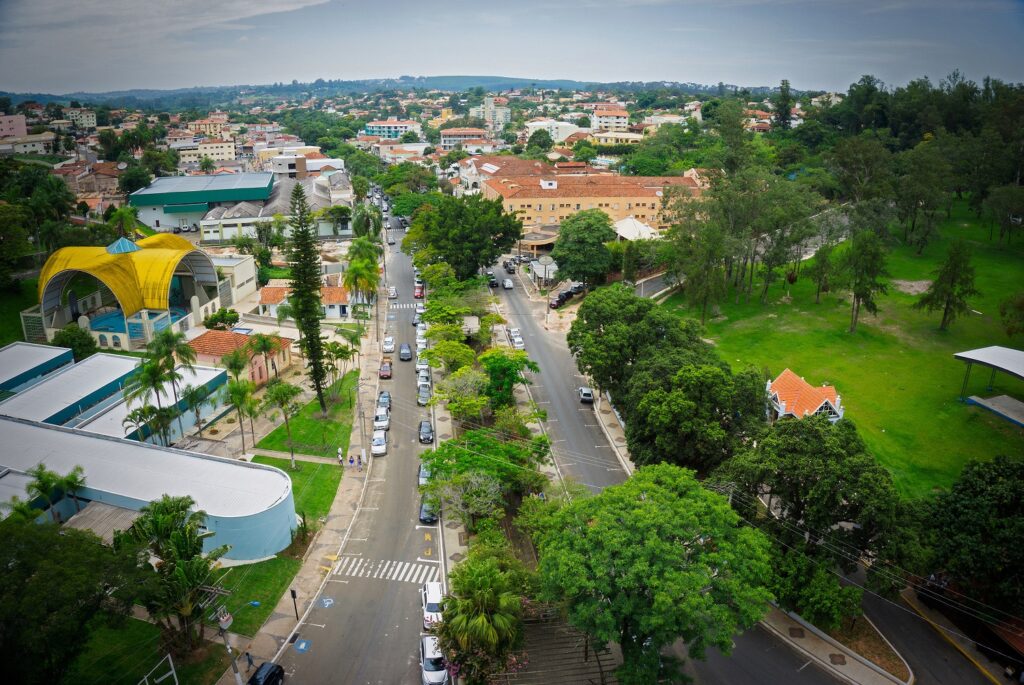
x,y
114,322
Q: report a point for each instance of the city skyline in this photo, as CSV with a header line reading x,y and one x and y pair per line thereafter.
x,y
118,44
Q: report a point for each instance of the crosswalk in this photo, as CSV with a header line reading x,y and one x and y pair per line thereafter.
x,y
382,569
401,305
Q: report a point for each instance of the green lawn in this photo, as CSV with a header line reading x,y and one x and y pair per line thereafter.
x,y
123,655
49,160
896,375
313,485
263,582
313,434
11,306
279,272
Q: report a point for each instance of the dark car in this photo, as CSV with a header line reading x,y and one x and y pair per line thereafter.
x,y
267,674
510,268
405,353
426,432
428,512
555,303
564,295
493,282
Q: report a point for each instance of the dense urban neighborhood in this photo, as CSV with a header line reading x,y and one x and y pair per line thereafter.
x,y
499,381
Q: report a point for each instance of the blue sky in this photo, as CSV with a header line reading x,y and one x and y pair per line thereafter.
x,y
59,46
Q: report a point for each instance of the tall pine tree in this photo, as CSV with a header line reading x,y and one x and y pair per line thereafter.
x,y
953,284
305,296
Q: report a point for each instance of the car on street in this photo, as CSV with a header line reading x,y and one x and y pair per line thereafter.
x,y
421,308
404,353
518,344
426,433
586,395
492,282
384,399
577,288
422,365
421,329
421,344
423,475
423,395
392,293
417,291
416,319
433,669
384,373
389,344
391,238
507,284
422,378
273,674
555,303
430,601
514,333
510,267
428,512
379,444
382,419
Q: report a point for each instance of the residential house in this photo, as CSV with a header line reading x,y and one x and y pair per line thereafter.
x,y
212,346
31,144
790,396
616,138
558,130
334,301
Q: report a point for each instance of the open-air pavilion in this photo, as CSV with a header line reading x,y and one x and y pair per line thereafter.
x,y
995,358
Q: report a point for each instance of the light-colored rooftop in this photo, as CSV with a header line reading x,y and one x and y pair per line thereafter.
x,y
69,387
223,488
1002,358
196,184
21,357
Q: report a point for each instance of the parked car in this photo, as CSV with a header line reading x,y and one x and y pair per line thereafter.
x,y
384,399
564,295
514,333
586,395
518,344
492,282
577,288
404,353
507,284
423,475
433,669
382,419
384,372
422,365
421,344
391,238
555,303
273,674
428,511
379,444
422,378
420,308
426,434
417,291
416,319
430,601
389,344
421,329
423,395
392,293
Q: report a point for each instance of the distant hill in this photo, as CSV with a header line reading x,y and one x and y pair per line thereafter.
x,y
208,96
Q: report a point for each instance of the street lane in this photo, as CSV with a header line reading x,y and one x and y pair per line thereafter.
x,y
366,626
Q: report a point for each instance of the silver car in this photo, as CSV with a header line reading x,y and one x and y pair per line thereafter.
x,y
433,670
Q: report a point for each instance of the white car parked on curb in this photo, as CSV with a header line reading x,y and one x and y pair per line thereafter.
x,y
389,344
430,600
379,443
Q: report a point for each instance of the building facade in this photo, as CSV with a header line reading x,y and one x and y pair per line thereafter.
x,y
451,137
392,128
13,126
610,120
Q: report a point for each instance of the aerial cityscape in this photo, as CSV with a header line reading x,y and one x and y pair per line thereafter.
x,y
656,341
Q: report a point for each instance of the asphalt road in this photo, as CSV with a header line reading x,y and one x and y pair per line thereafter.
x,y
366,626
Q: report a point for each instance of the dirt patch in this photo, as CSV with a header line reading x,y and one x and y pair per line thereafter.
x,y
911,287
860,636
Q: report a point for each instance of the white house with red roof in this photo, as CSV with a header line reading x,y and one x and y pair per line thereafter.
x,y
791,396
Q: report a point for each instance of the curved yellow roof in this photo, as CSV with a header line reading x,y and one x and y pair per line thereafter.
x,y
140,279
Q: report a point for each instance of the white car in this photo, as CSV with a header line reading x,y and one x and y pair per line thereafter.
x,y
421,344
433,670
430,600
421,308
382,420
421,328
389,344
421,340
518,344
514,333
423,378
422,365
507,284
392,293
379,443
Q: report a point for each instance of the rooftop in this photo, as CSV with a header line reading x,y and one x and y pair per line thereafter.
x,y
20,359
596,185
220,343
163,186
800,397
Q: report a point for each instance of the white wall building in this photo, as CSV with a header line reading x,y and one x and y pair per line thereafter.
x,y
558,130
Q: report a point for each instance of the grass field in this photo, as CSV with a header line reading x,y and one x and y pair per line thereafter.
x,y
11,306
897,376
313,434
313,485
123,655
279,272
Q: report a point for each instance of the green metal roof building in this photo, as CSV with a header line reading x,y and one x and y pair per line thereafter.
x,y
171,201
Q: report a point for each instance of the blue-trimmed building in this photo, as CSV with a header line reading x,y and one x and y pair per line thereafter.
x,y
22,364
171,202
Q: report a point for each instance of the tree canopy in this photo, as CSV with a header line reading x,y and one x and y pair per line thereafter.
x,y
580,250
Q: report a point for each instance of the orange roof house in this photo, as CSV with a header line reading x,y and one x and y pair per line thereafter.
x,y
790,395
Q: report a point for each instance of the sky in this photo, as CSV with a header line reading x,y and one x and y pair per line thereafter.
x,y
57,46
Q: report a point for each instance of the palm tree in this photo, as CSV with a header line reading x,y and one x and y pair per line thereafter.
x,y
20,509
266,345
171,348
206,165
139,418
281,395
239,394
125,221
364,248
367,220
71,482
353,336
194,398
482,611
148,382
42,486
235,362
361,278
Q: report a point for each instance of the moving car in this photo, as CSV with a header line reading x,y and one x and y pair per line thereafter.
x,y
384,399
379,444
586,395
426,436
389,344
492,282
404,353
428,514
433,670
507,284
382,419
391,238
430,601
392,293
273,674
510,267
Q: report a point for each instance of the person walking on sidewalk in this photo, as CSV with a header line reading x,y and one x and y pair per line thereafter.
x,y
341,458
360,462
248,662
351,461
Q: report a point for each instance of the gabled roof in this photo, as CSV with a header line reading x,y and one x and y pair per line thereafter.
x,y
799,397
220,343
273,294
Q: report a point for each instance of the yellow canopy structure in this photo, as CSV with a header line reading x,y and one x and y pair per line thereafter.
x,y
138,274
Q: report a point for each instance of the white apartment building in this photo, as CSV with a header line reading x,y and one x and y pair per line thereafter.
x,y
80,117
392,128
610,120
558,130
493,115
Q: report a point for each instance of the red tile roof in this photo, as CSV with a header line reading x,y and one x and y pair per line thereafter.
x,y
220,343
274,295
800,397
333,295
599,185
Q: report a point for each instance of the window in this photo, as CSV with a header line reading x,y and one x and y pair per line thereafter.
x,y
103,340
157,223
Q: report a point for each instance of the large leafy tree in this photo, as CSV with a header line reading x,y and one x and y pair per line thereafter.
x,y
653,560
1011,313
55,583
14,242
953,284
863,269
468,233
580,249
921,192
463,394
512,463
978,527
504,369
863,167
80,341
698,420
305,295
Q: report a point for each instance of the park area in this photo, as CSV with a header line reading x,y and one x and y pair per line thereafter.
x,y
896,375
313,433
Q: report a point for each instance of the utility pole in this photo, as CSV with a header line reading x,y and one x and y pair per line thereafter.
x,y
224,620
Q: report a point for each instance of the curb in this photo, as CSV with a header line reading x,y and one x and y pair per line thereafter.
x,y
960,648
627,464
913,677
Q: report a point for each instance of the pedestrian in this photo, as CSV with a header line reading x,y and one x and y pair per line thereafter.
x,y
341,458
360,462
351,461
249,662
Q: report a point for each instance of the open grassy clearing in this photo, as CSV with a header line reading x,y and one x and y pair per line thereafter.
x,y
313,485
311,432
896,375
122,655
